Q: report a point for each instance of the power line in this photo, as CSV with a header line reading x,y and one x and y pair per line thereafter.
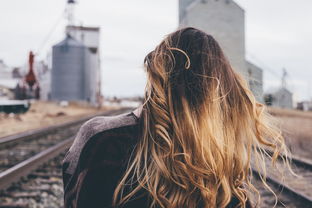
x,y
264,66
291,85
49,34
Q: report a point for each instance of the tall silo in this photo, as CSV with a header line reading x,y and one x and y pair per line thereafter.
x,y
223,19
69,63
90,37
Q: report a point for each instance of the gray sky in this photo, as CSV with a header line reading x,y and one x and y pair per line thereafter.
x,y
278,34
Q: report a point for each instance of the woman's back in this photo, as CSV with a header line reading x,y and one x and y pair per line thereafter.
x,y
98,159
191,145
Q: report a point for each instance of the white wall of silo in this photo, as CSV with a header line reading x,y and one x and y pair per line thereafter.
x,y
94,77
91,77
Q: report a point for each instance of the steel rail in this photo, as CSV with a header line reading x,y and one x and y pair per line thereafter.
x,y
23,168
302,197
300,161
40,131
14,173
303,162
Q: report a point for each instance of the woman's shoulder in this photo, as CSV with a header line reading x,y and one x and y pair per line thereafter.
x,y
91,129
92,164
103,123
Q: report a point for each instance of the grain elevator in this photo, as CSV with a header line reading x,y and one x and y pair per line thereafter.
x,y
76,65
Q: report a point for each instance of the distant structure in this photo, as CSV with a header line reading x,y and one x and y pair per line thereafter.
x,y
70,63
7,82
76,64
43,73
225,21
5,71
16,73
6,87
305,105
280,97
28,86
255,78
90,37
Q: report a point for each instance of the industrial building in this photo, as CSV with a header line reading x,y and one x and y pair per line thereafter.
x,y
225,21
5,71
90,37
75,72
76,66
43,74
7,82
255,77
305,105
279,97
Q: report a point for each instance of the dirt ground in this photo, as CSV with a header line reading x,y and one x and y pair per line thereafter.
x,y
297,129
42,114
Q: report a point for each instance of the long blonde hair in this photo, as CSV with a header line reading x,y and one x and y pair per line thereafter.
x,y
201,126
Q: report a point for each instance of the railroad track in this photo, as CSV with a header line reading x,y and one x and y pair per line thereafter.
x,y
30,182
41,188
11,175
15,148
31,134
292,191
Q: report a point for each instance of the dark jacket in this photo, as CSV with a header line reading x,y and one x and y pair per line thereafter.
x,y
97,160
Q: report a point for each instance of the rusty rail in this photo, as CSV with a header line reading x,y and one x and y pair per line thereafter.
x,y
14,173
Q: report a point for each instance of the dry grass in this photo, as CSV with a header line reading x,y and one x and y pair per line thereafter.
x,y
42,114
297,129
289,113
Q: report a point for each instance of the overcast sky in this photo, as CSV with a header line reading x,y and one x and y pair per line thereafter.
x,y
278,34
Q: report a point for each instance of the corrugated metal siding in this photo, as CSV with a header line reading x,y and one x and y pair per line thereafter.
x,y
89,37
68,71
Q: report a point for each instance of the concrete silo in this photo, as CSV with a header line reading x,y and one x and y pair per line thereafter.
x,y
224,20
69,64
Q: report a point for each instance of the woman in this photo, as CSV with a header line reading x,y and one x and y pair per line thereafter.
x,y
189,145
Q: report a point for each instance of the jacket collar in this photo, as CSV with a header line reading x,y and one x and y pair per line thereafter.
x,y
138,111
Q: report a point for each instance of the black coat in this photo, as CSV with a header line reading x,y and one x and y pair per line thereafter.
x,y
97,160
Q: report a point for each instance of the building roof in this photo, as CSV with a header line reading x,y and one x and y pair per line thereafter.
x,y
74,27
275,90
253,66
189,4
69,41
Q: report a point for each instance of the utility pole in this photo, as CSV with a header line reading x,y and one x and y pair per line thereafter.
x,y
285,74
